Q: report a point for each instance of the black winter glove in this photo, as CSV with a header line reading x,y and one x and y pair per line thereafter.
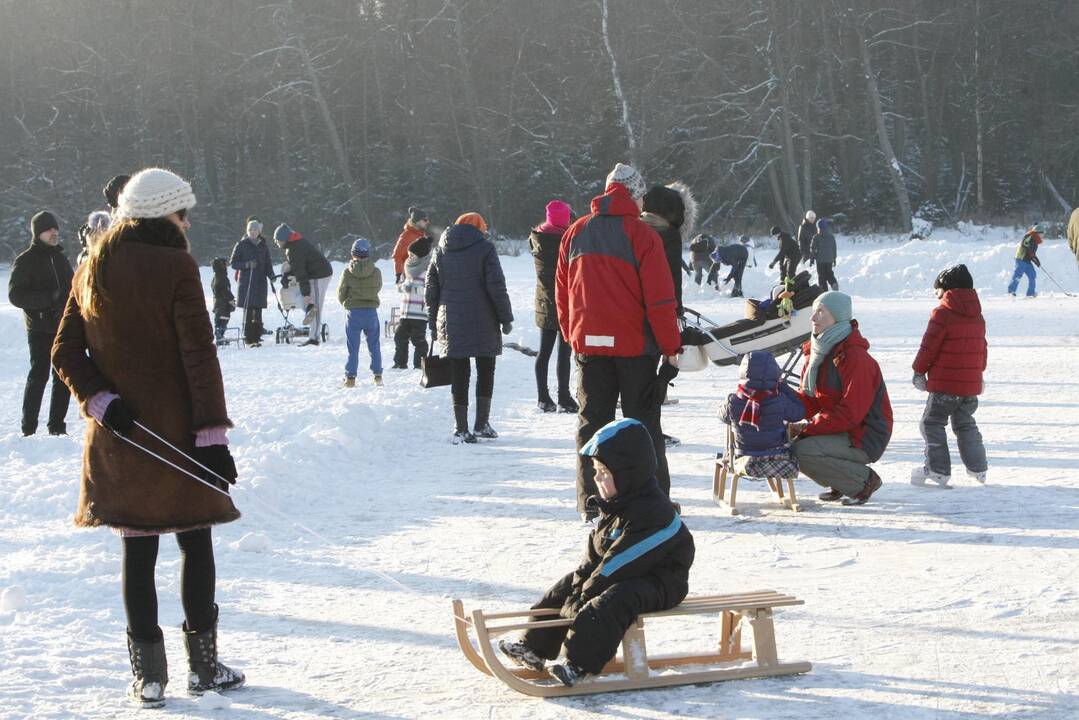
x,y
119,417
658,391
1036,261
219,459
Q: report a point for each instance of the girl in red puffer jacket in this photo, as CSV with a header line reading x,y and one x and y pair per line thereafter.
x,y
949,366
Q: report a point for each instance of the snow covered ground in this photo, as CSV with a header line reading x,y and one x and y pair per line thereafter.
x,y
922,604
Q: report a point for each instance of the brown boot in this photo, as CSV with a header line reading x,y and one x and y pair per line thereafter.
x,y
871,486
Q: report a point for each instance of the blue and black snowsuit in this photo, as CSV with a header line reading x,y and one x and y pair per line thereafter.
x,y
637,559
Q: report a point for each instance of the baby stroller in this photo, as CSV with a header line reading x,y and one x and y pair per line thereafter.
x,y
768,325
289,298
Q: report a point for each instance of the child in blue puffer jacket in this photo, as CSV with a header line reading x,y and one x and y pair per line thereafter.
x,y
759,412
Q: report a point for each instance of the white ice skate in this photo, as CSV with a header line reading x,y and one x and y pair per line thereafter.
x,y
920,474
978,477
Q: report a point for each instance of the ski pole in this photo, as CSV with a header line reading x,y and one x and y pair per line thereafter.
x,y
1055,282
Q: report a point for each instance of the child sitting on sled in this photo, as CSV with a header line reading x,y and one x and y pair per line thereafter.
x,y
759,412
637,560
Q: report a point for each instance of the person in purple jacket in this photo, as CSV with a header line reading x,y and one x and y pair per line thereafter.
x,y
759,412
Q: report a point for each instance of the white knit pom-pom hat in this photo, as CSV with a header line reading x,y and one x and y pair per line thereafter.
x,y
153,193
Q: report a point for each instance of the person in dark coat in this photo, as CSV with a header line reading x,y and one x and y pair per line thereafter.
x,y
823,252
806,231
136,348
949,366
251,259
737,256
637,560
788,256
312,271
543,243
39,285
668,209
700,253
224,300
468,311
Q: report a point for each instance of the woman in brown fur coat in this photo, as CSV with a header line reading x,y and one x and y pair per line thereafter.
x,y
136,348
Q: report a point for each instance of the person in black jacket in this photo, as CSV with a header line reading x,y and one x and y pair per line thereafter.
x,y
251,257
39,285
736,256
544,242
312,271
788,255
806,231
224,301
670,209
636,561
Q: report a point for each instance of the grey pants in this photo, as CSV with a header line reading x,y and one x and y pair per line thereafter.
x,y
318,297
939,408
833,462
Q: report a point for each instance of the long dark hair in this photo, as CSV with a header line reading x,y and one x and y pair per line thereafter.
x,y
92,294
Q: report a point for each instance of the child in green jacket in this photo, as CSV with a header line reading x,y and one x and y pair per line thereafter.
x,y
358,292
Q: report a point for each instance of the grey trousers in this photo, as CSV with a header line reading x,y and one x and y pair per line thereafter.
x,y
318,297
939,409
833,462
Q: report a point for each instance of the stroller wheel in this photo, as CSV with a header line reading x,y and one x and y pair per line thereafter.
x,y
277,336
325,334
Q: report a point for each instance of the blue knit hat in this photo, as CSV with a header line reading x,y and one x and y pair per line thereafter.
x,y
838,304
361,248
284,233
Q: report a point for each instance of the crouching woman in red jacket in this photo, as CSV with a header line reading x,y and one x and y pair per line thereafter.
x,y
846,401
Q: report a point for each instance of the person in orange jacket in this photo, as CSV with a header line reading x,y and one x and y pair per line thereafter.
x,y
415,228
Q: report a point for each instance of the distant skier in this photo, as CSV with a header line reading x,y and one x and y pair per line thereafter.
x,y
949,367
806,231
788,256
1026,259
736,255
822,250
637,560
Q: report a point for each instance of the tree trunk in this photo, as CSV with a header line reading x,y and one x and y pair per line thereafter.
x,y
979,127
616,80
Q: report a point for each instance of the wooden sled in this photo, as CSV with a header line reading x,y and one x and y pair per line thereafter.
x,y
724,468
634,669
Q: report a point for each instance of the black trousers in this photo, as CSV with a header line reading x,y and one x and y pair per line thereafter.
x,y
197,578
40,343
737,270
601,381
252,325
787,268
543,360
221,323
414,331
593,638
825,276
462,376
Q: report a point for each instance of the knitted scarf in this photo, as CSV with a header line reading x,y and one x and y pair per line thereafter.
x,y
819,347
751,413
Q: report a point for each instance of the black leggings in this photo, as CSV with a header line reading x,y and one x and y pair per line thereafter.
x,y
197,577
462,375
543,360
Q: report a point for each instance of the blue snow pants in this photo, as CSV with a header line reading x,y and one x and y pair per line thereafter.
x,y
363,321
1024,267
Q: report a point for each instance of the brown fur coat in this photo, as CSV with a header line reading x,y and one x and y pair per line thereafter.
x,y
153,346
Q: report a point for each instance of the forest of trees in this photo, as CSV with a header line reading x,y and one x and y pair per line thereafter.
x,y
336,115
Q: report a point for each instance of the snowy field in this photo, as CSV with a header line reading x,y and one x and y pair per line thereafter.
x,y
923,604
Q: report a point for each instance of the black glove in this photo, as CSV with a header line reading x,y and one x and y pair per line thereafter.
x,y
1036,261
507,328
118,417
658,391
771,265
219,459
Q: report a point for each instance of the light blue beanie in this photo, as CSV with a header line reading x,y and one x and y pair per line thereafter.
x,y
838,304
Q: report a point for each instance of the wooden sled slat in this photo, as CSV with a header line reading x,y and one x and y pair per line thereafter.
x,y
635,669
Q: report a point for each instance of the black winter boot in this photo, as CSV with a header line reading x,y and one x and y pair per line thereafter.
x,y
545,403
567,404
205,672
150,668
460,427
483,427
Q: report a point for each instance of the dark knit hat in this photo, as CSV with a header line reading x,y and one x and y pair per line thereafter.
x,y
954,278
667,203
415,214
775,230
41,222
113,188
420,247
361,248
284,234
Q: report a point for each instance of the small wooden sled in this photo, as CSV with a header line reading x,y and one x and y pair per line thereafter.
x,y
724,468
634,669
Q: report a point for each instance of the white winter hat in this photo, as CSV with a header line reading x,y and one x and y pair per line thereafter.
x,y
628,176
154,193
811,216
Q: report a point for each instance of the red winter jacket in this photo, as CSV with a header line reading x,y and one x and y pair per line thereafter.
x,y
613,288
851,396
954,350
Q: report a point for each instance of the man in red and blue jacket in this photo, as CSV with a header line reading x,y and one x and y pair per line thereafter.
x,y
616,307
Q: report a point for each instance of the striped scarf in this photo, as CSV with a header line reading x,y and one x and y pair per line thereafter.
x,y
751,413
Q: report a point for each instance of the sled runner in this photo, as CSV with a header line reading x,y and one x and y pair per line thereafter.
x,y
763,328
634,669
726,468
288,299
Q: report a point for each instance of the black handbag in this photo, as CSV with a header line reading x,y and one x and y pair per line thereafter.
x,y
436,371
